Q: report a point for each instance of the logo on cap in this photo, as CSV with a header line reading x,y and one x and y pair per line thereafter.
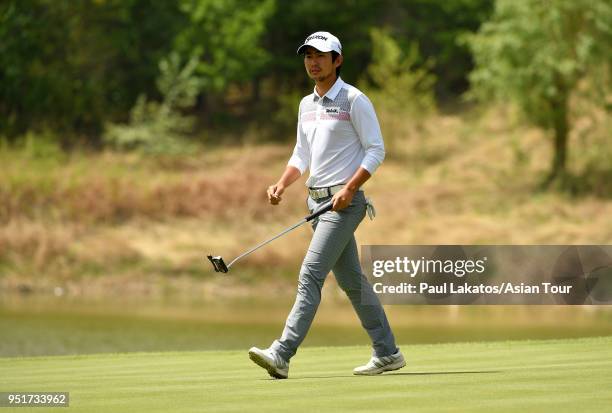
x,y
316,36
323,41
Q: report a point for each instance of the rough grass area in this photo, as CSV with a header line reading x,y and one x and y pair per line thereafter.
x,y
71,218
534,376
112,188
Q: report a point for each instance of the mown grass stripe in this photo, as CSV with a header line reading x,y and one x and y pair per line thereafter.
x,y
535,376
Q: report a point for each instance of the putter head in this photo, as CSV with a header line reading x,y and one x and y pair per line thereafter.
x,y
218,263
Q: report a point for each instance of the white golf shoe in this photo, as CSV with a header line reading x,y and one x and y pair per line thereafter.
x,y
269,360
378,365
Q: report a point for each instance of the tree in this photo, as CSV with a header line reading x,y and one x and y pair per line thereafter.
x,y
68,66
399,87
435,26
160,127
225,37
535,53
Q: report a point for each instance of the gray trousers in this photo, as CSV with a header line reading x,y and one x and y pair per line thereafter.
x,y
333,248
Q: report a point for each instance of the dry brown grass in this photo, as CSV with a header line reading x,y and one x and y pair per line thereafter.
x,y
33,243
116,188
457,180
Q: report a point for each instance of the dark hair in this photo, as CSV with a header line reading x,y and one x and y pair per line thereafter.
x,y
334,57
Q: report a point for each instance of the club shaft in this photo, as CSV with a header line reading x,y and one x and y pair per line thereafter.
x,y
267,242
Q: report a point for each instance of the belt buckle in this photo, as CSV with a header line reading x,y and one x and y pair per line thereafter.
x,y
316,193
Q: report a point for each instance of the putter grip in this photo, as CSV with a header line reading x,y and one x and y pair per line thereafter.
x,y
320,211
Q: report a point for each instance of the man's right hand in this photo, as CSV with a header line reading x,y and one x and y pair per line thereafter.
x,y
274,193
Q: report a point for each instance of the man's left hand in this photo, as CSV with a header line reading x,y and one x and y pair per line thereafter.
x,y
342,199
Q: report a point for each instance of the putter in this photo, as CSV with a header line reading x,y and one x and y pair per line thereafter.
x,y
219,264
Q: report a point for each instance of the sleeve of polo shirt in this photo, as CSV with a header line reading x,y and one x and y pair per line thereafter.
x,y
366,124
301,153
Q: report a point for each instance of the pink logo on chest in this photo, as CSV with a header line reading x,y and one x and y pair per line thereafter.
x,y
336,116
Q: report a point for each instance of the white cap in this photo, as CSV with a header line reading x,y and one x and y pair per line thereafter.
x,y
322,41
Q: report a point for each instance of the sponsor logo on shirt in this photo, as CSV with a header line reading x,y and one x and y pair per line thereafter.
x,y
335,114
327,114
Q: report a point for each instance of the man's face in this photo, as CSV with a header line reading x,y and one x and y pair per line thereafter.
x,y
319,65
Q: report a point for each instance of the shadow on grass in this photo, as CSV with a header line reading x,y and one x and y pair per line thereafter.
x,y
393,374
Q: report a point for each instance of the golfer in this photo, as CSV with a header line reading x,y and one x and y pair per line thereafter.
x,y
339,141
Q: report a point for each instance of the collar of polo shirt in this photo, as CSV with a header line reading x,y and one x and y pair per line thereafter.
x,y
331,93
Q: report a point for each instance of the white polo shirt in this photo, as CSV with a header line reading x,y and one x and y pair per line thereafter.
x,y
336,134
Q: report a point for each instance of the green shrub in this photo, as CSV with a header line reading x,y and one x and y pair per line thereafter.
x,y
401,90
161,127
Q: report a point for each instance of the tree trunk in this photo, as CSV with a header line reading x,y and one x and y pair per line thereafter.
x,y
256,92
561,131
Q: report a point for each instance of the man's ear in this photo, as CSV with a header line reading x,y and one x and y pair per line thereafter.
x,y
339,60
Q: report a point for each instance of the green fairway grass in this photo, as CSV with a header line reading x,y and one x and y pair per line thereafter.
x,y
532,376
